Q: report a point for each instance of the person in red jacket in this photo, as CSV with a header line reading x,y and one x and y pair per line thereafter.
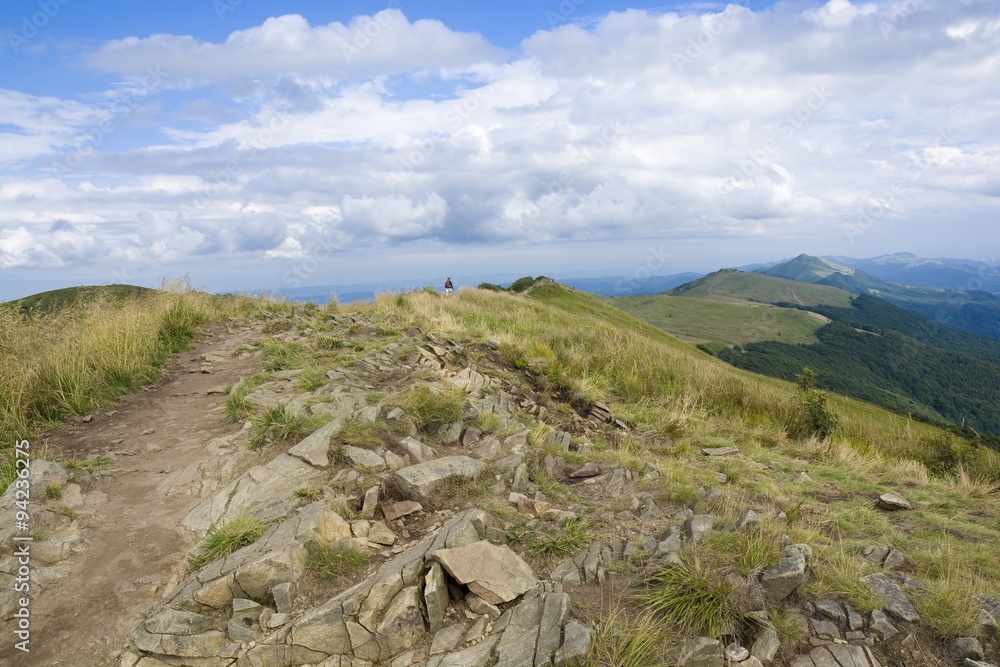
x,y
447,286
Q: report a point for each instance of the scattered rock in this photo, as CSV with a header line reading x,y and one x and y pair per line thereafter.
x,y
697,527
964,648
700,652
892,502
748,520
766,645
393,511
781,580
589,469
736,653
896,603
719,451
379,533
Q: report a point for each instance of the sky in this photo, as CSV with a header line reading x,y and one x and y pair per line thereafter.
x,y
247,144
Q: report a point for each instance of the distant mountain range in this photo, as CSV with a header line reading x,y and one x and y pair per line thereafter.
x,y
973,310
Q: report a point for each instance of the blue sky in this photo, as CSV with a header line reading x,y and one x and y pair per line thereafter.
x,y
252,144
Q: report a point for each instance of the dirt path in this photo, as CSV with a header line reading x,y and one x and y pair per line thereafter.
x,y
131,543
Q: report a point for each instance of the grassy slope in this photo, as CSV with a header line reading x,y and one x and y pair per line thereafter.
x,y
575,342
702,320
54,300
740,286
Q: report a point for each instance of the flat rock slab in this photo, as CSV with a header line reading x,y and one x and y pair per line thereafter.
x,y
589,469
494,573
895,602
314,449
393,511
719,451
422,480
892,502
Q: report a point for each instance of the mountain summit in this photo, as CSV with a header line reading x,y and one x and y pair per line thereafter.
x,y
805,268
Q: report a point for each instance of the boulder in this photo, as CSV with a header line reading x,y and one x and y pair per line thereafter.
x,y
963,648
420,481
365,459
697,527
699,652
494,573
314,449
719,451
393,511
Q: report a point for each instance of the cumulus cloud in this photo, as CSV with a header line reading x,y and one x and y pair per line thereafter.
x,y
383,43
730,124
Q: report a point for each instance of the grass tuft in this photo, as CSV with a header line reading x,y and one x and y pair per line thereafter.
x,y
431,409
336,561
558,540
691,597
226,539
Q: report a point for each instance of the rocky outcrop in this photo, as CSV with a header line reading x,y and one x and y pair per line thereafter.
x,y
402,605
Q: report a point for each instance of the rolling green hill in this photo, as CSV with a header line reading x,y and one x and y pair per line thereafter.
x,y
733,286
704,321
53,300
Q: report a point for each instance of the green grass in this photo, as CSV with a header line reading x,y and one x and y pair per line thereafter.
x,y
558,540
280,423
367,435
696,320
310,493
338,561
622,641
90,465
53,492
691,597
233,535
236,405
430,409
312,378
281,355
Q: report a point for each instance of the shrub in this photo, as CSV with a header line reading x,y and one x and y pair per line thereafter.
x,y
559,540
226,539
624,642
521,284
819,418
493,287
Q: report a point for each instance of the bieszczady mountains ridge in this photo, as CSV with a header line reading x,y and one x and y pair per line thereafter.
x,y
490,478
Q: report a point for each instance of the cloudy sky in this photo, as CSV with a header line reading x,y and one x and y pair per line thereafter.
x,y
251,144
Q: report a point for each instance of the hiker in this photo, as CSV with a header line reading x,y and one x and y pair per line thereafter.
x,y
447,286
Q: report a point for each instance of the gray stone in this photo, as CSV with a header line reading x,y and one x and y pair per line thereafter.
x,y
892,502
748,520
402,625
719,451
379,533
736,653
896,603
781,581
825,629
697,527
247,611
576,643
880,625
471,437
370,503
258,577
895,560
700,652
393,511
284,596
419,481
315,448
239,631
832,610
965,648
363,459
876,553
480,606
447,639
173,622
976,663
435,596
589,469
450,433
494,573
766,645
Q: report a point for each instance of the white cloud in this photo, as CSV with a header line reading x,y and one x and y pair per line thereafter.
x,y
726,125
383,43
839,13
